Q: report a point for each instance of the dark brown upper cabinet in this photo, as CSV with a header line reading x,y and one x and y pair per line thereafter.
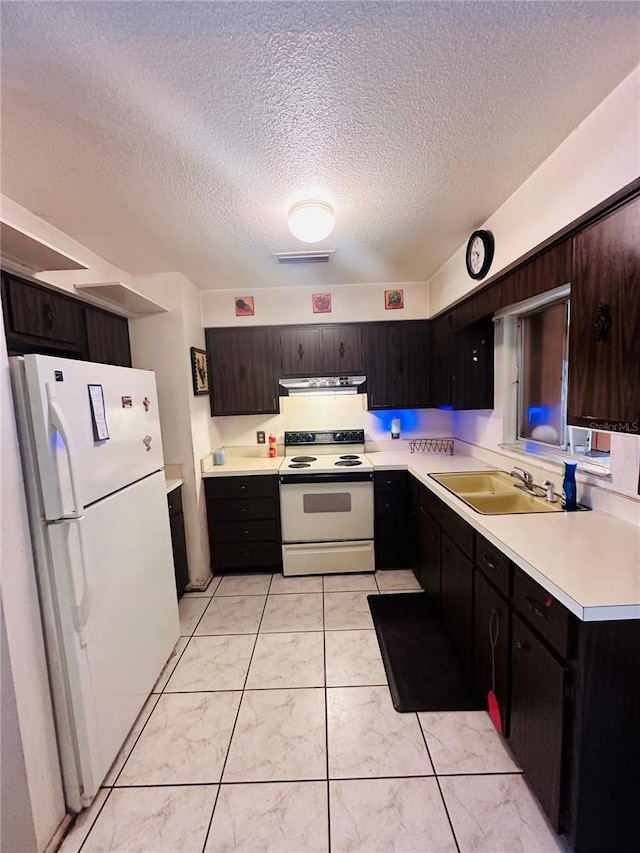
x,y
478,306
440,361
107,337
38,319
604,335
547,271
473,366
321,350
396,363
244,367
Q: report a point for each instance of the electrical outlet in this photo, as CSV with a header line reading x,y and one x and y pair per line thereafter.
x,y
260,435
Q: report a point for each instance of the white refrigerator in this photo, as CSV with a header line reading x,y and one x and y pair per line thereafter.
x,y
93,468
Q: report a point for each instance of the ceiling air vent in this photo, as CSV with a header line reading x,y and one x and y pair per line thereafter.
x,y
290,258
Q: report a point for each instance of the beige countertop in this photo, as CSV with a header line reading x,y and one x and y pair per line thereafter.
x,y
246,465
172,483
590,561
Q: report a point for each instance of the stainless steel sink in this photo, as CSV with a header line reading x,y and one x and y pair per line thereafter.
x,y
494,493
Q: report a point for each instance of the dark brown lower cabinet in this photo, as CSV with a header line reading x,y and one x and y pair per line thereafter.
x,y
429,560
243,515
413,522
492,636
178,540
390,519
537,718
605,755
456,598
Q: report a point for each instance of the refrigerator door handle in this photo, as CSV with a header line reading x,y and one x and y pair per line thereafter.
x,y
80,610
59,421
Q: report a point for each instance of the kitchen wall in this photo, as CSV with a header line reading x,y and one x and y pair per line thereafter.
x,y
597,159
161,342
238,434
276,306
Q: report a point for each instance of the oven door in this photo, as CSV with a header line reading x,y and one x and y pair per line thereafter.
x,y
326,507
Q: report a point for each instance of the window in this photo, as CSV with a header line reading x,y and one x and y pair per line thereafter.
x,y
536,334
542,374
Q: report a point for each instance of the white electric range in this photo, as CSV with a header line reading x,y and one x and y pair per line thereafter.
x,y
326,503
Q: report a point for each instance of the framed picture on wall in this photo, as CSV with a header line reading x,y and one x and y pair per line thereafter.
x,y
393,299
199,372
321,303
244,306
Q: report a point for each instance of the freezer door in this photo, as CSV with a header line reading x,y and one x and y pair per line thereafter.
x,y
118,615
84,454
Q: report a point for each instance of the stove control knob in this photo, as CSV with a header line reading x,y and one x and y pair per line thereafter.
x,y
338,436
309,437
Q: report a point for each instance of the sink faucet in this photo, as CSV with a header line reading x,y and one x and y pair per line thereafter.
x,y
529,486
525,476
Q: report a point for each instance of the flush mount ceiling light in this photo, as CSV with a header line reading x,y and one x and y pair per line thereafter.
x,y
311,221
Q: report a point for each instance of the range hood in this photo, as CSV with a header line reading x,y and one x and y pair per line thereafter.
x,y
322,385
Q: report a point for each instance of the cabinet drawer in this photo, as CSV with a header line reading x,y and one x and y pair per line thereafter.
x,y
241,555
174,501
456,528
547,616
390,481
245,531
241,487
493,564
242,510
44,314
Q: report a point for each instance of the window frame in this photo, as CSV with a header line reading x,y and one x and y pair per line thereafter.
x,y
512,337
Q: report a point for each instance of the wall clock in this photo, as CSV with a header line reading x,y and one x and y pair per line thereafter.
x,y
479,253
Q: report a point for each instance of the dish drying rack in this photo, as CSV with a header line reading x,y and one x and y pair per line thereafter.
x,y
431,445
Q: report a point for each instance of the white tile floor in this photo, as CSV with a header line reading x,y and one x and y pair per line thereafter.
x,y
272,729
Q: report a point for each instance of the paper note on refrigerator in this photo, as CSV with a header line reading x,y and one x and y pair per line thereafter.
x,y
98,413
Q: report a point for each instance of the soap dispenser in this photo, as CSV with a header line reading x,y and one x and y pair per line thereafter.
x,y
569,486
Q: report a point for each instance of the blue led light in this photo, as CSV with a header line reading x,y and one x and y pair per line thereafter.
x,y
538,415
408,418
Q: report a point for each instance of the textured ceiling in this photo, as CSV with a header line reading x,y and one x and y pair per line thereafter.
x,y
174,136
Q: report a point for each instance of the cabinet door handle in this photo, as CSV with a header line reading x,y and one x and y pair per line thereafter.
x,y
602,322
242,488
243,371
534,607
300,351
341,350
488,563
49,315
244,509
246,532
387,505
520,645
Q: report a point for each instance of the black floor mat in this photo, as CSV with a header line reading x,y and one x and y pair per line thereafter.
x,y
423,669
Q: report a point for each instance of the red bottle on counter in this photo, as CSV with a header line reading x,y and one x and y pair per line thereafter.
x,y
273,447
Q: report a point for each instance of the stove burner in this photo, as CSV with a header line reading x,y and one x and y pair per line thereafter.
x,y
303,459
349,456
299,465
348,463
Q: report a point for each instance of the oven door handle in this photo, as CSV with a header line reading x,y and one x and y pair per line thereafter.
x,y
351,477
